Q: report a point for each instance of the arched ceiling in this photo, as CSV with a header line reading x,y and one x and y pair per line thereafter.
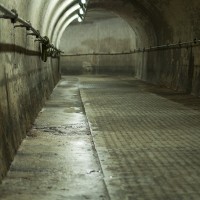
x,y
153,21
56,15
99,32
52,15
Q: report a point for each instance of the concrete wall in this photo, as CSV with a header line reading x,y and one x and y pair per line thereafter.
x,y
110,34
153,23
177,68
111,26
25,83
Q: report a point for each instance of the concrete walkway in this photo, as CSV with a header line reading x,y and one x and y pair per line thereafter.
x,y
57,160
145,144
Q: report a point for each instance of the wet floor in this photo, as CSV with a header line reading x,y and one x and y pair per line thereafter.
x,y
110,138
57,160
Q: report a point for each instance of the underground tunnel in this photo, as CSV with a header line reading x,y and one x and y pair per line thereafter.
x,y
99,99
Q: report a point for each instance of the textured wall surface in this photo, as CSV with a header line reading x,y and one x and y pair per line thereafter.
x,y
177,68
110,27
105,33
25,82
153,23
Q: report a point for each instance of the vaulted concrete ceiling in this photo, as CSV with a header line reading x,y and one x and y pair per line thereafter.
x,y
154,21
51,15
161,21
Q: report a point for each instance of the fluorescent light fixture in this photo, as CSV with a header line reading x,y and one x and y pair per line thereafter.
x,y
81,11
80,19
83,1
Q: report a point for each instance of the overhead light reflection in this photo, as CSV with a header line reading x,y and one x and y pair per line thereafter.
x,y
69,21
57,14
80,19
63,20
81,11
83,1
79,16
52,5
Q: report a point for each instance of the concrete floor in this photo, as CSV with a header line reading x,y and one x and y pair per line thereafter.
x,y
141,142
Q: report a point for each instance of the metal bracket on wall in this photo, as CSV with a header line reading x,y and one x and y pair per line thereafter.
x,y
13,16
36,34
22,26
180,44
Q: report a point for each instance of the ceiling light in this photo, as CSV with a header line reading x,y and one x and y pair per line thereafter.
x,y
81,11
80,19
83,1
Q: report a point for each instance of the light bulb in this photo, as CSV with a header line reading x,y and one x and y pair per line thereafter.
x,y
81,11
83,1
79,19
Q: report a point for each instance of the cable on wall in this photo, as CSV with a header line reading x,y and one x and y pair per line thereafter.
x,y
178,45
47,49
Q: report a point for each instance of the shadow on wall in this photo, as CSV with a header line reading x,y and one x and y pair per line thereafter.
x,y
15,48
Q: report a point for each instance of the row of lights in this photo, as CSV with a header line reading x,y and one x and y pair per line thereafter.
x,y
82,10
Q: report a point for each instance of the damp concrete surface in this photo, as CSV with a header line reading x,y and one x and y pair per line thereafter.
x,y
57,160
102,137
